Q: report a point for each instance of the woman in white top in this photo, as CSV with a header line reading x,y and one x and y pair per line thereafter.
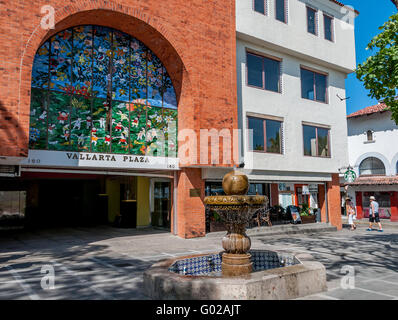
x,y
352,215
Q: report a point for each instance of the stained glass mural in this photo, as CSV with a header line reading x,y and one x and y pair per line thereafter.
x,y
95,89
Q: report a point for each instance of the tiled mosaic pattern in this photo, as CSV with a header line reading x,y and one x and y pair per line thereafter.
x,y
211,264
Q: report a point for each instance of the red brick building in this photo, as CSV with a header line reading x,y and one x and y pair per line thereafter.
x,y
194,42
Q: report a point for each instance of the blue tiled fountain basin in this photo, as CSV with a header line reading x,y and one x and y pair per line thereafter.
x,y
210,265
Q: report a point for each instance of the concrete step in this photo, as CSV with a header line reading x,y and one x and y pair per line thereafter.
x,y
384,222
283,229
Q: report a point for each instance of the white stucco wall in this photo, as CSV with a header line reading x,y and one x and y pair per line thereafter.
x,y
293,37
385,145
294,110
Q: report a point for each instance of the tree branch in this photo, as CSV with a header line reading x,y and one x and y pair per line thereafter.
x,y
395,2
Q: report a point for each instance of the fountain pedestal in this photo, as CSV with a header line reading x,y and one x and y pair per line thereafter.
x,y
235,259
235,264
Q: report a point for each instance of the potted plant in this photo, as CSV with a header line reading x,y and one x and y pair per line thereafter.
x,y
306,214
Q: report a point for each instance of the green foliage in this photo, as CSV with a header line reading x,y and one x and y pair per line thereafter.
x,y
379,72
305,210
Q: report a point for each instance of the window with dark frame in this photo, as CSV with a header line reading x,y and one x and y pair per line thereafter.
x,y
263,72
266,135
369,135
311,21
313,85
280,10
328,26
259,6
316,141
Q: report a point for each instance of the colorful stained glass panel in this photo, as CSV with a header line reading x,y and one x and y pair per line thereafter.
x,y
154,80
154,131
169,95
100,127
138,83
60,61
38,119
120,127
102,82
82,59
121,66
59,121
137,129
170,118
80,129
40,69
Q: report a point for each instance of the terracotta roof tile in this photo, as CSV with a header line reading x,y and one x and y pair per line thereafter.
x,y
374,180
369,110
343,5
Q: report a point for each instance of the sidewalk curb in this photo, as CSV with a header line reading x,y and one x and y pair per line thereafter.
x,y
283,230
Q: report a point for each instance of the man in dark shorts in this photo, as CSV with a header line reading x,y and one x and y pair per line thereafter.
x,y
374,214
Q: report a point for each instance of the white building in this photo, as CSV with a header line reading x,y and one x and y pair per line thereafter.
x,y
373,155
293,57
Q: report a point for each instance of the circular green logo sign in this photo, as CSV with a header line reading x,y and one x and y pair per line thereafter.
x,y
350,176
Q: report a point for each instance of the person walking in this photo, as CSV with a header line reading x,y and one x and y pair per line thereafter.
x,y
352,215
374,214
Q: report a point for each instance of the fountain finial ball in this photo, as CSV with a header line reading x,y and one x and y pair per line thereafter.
x,y
235,183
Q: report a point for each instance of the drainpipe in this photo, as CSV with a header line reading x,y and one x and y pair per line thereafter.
x,y
326,203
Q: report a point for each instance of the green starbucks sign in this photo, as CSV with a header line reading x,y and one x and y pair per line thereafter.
x,y
350,176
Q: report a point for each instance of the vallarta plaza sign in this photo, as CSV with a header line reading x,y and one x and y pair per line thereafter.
x,y
97,160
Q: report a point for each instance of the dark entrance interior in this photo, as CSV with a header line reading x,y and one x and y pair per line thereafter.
x,y
66,203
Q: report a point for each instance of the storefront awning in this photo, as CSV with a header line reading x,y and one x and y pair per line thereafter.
x,y
374,180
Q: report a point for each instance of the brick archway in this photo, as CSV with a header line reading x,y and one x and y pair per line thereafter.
x,y
147,29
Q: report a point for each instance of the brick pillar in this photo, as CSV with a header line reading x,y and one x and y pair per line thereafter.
x,y
334,201
191,220
322,202
394,206
358,201
274,194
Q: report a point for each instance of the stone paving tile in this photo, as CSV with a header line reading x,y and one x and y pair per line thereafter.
x,y
107,263
356,294
393,278
379,286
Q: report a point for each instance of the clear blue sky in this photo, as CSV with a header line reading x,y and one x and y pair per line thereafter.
x,y
372,15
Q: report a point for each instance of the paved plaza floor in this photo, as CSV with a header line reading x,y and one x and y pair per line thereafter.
x,y
108,263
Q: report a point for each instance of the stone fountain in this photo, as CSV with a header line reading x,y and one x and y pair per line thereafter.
x,y
237,272
235,209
